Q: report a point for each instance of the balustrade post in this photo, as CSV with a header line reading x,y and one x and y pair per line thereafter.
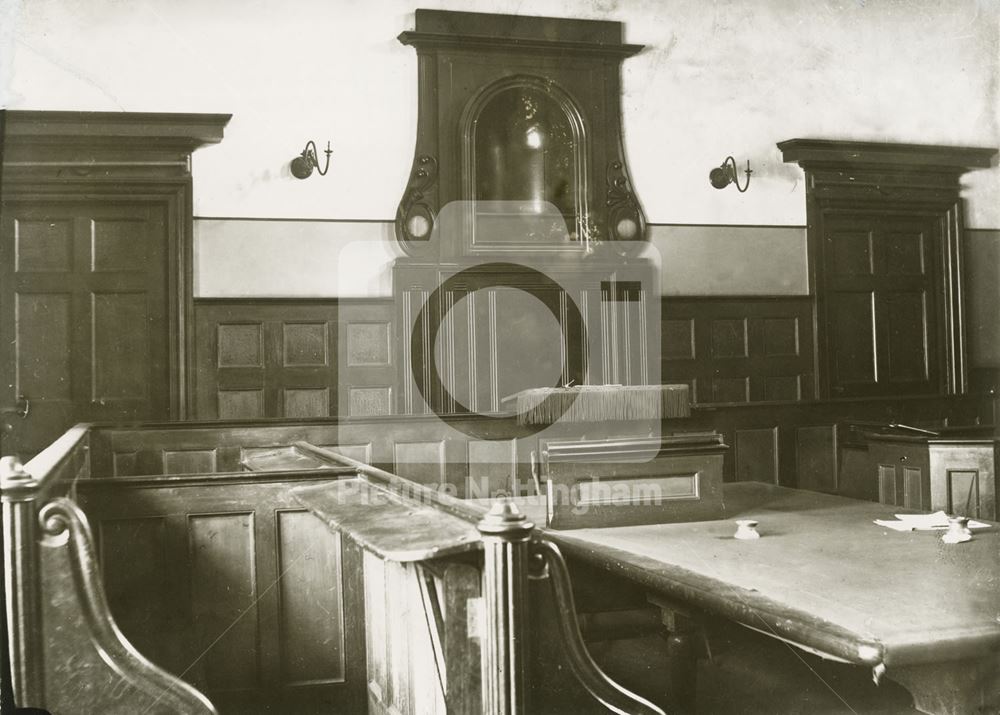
x,y
505,533
21,581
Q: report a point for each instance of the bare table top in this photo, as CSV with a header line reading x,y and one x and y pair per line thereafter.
x,y
822,574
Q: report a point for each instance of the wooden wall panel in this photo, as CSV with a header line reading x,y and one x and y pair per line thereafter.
x,y
305,403
755,454
43,246
222,580
368,343
730,350
305,344
240,404
120,334
44,325
368,358
492,467
739,349
423,462
369,401
115,247
240,345
224,598
816,457
312,649
188,461
135,552
265,358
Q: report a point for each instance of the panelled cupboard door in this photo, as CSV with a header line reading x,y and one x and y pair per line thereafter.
x,y
84,317
882,280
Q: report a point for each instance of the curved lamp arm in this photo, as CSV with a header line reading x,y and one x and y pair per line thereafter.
x,y
726,174
303,165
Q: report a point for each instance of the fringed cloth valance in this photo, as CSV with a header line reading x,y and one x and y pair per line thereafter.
x,y
599,403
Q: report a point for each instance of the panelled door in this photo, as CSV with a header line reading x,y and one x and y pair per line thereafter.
x,y
882,286
84,317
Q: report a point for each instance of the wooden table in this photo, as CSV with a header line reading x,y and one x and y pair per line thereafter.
x,y
825,578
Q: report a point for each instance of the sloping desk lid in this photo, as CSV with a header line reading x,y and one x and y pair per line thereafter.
x,y
386,523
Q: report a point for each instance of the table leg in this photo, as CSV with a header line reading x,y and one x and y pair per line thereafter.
x,y
683,636
961,687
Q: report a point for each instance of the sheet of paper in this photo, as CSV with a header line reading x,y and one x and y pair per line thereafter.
x,y
923,522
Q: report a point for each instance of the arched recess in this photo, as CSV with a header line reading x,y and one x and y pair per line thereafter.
x,y
525,162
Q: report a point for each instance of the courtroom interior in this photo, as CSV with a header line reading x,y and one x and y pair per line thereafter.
x,y
631,356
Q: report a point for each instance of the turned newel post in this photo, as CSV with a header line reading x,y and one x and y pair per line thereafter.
x,y
505,533
21,580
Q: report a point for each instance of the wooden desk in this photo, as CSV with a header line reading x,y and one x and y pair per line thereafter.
x,y
827,579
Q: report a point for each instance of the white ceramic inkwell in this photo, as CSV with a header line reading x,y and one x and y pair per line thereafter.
x,y
958,530
746,530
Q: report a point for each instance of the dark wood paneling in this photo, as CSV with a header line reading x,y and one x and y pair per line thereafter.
x,y
730,350
500,329
96,215
881,293
312,650
135,551
92,321
739,349
265,358
224,598
492,467
816,451
756,455
221,579
438,449
884,219
423,462
369,358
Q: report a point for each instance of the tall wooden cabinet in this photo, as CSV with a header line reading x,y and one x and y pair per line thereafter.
x,y
95,269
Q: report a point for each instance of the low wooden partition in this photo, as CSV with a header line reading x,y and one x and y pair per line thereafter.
x,y
794,444
221,578
227,582
218,576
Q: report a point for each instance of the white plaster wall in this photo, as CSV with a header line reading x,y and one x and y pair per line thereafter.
x,y
717,78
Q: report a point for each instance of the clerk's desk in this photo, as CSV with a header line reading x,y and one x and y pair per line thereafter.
x,y
825,578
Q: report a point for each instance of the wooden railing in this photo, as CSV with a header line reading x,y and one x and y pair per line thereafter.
x,y
478,649
67,655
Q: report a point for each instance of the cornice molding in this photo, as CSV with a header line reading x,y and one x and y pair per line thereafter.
x,y
81,128
828,153
103,146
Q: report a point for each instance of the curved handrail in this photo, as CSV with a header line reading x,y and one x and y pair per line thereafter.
x,y
609,693
37,479
415,491
167,691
